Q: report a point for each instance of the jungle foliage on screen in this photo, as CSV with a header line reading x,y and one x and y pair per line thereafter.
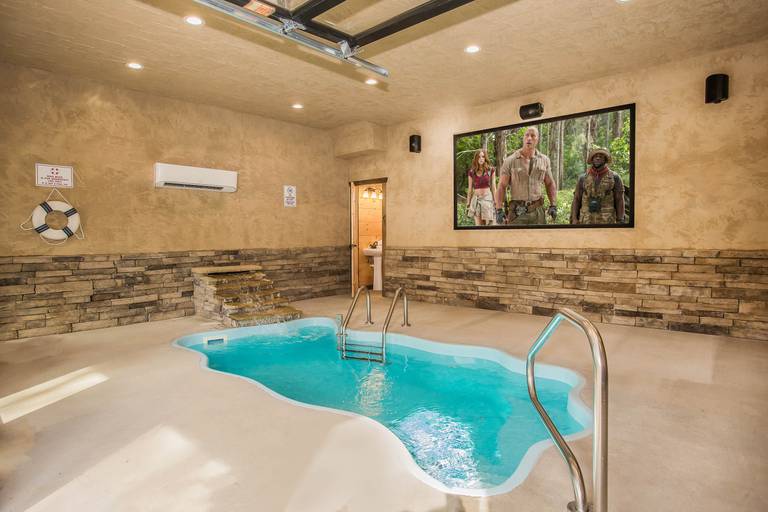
x,y
570,171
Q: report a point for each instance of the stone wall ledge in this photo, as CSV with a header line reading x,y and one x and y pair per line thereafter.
x,y
718,292
44,295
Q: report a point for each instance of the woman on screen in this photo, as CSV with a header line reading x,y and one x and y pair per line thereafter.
x,y
481,190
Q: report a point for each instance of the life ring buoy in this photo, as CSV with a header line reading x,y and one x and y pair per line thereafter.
x,y
46,207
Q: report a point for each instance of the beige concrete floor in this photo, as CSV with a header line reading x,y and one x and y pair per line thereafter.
x,y
118,420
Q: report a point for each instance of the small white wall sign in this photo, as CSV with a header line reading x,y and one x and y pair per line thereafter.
x,y
57,176
289,196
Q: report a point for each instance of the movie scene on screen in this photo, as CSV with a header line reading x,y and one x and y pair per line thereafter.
x,y
574,171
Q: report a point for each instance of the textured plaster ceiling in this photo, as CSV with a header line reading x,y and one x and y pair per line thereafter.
x,y
527,45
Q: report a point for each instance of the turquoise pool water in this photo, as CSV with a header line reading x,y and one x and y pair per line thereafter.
x,y
462,412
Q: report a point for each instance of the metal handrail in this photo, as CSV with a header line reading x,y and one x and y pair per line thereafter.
x,y
341,336
389,317
600,407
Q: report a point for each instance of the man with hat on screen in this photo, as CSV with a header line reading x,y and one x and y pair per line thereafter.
x,y
599,194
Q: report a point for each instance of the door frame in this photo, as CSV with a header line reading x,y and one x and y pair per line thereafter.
x,y
354,232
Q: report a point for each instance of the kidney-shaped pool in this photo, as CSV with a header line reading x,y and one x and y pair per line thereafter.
x,y
463,412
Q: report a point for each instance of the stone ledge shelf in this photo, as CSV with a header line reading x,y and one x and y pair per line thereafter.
x,y
220,269
239,296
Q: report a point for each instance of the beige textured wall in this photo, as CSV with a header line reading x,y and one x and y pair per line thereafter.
x,y
113,137
359,139
701,170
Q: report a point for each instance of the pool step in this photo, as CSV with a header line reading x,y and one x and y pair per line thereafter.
x,y
240,298
378,359
363,352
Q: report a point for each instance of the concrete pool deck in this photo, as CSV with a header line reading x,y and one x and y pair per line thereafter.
x,y
118,419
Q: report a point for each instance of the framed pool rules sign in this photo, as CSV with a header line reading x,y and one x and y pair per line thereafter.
x,y
56,176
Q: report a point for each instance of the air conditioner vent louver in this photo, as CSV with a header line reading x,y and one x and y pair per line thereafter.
x,y
190,185
197,178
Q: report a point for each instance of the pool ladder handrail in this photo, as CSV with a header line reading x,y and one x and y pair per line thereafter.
x,y
599,404
405,323
341,336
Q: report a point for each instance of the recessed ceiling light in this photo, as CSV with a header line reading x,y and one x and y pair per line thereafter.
x,y
194,20
297,106
472,49
371,81
134,65
623,1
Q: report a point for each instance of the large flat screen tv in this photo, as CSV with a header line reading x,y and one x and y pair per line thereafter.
x,y
574,171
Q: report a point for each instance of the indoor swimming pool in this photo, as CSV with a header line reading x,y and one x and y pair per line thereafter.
x,y
462,412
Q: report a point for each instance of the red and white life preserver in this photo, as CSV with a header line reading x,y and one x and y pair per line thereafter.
x,y
46,207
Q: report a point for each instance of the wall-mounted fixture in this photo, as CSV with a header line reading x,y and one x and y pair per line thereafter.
x,y
716,88
414,143
200,178
373,193
531,110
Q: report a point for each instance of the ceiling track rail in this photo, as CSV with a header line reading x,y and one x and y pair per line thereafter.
x,y
409,18
314,8
289,23
288,28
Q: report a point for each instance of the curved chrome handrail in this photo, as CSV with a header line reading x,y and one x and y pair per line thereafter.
x,y
600,406
341,337
389,317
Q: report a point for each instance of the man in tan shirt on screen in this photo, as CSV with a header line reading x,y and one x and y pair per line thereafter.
x,y
524,172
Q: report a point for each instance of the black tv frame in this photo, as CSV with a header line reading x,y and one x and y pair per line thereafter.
x,y
532,122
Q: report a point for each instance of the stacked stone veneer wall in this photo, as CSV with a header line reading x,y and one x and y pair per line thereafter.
x,y
711,292
41,295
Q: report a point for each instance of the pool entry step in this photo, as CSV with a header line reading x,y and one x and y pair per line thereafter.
x,y
367,351
240,296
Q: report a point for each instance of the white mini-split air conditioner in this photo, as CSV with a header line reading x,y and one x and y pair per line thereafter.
x,y
200,178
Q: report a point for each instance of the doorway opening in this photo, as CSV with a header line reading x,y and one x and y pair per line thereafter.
x,y
368,233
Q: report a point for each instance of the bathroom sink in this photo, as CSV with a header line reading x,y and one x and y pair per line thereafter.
x,y
375,255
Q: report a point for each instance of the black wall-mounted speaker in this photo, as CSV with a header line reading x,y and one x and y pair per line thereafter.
x,y
532,110
716,89
414,143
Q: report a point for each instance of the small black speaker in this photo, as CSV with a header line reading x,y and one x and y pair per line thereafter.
x,y
532,110
414,143
717,88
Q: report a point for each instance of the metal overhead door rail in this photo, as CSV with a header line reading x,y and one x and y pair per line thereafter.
x,y
294,24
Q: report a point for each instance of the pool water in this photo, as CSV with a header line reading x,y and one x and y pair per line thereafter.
x,y
462,412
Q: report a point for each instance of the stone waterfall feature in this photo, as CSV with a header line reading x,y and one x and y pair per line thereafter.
x,y
239,296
